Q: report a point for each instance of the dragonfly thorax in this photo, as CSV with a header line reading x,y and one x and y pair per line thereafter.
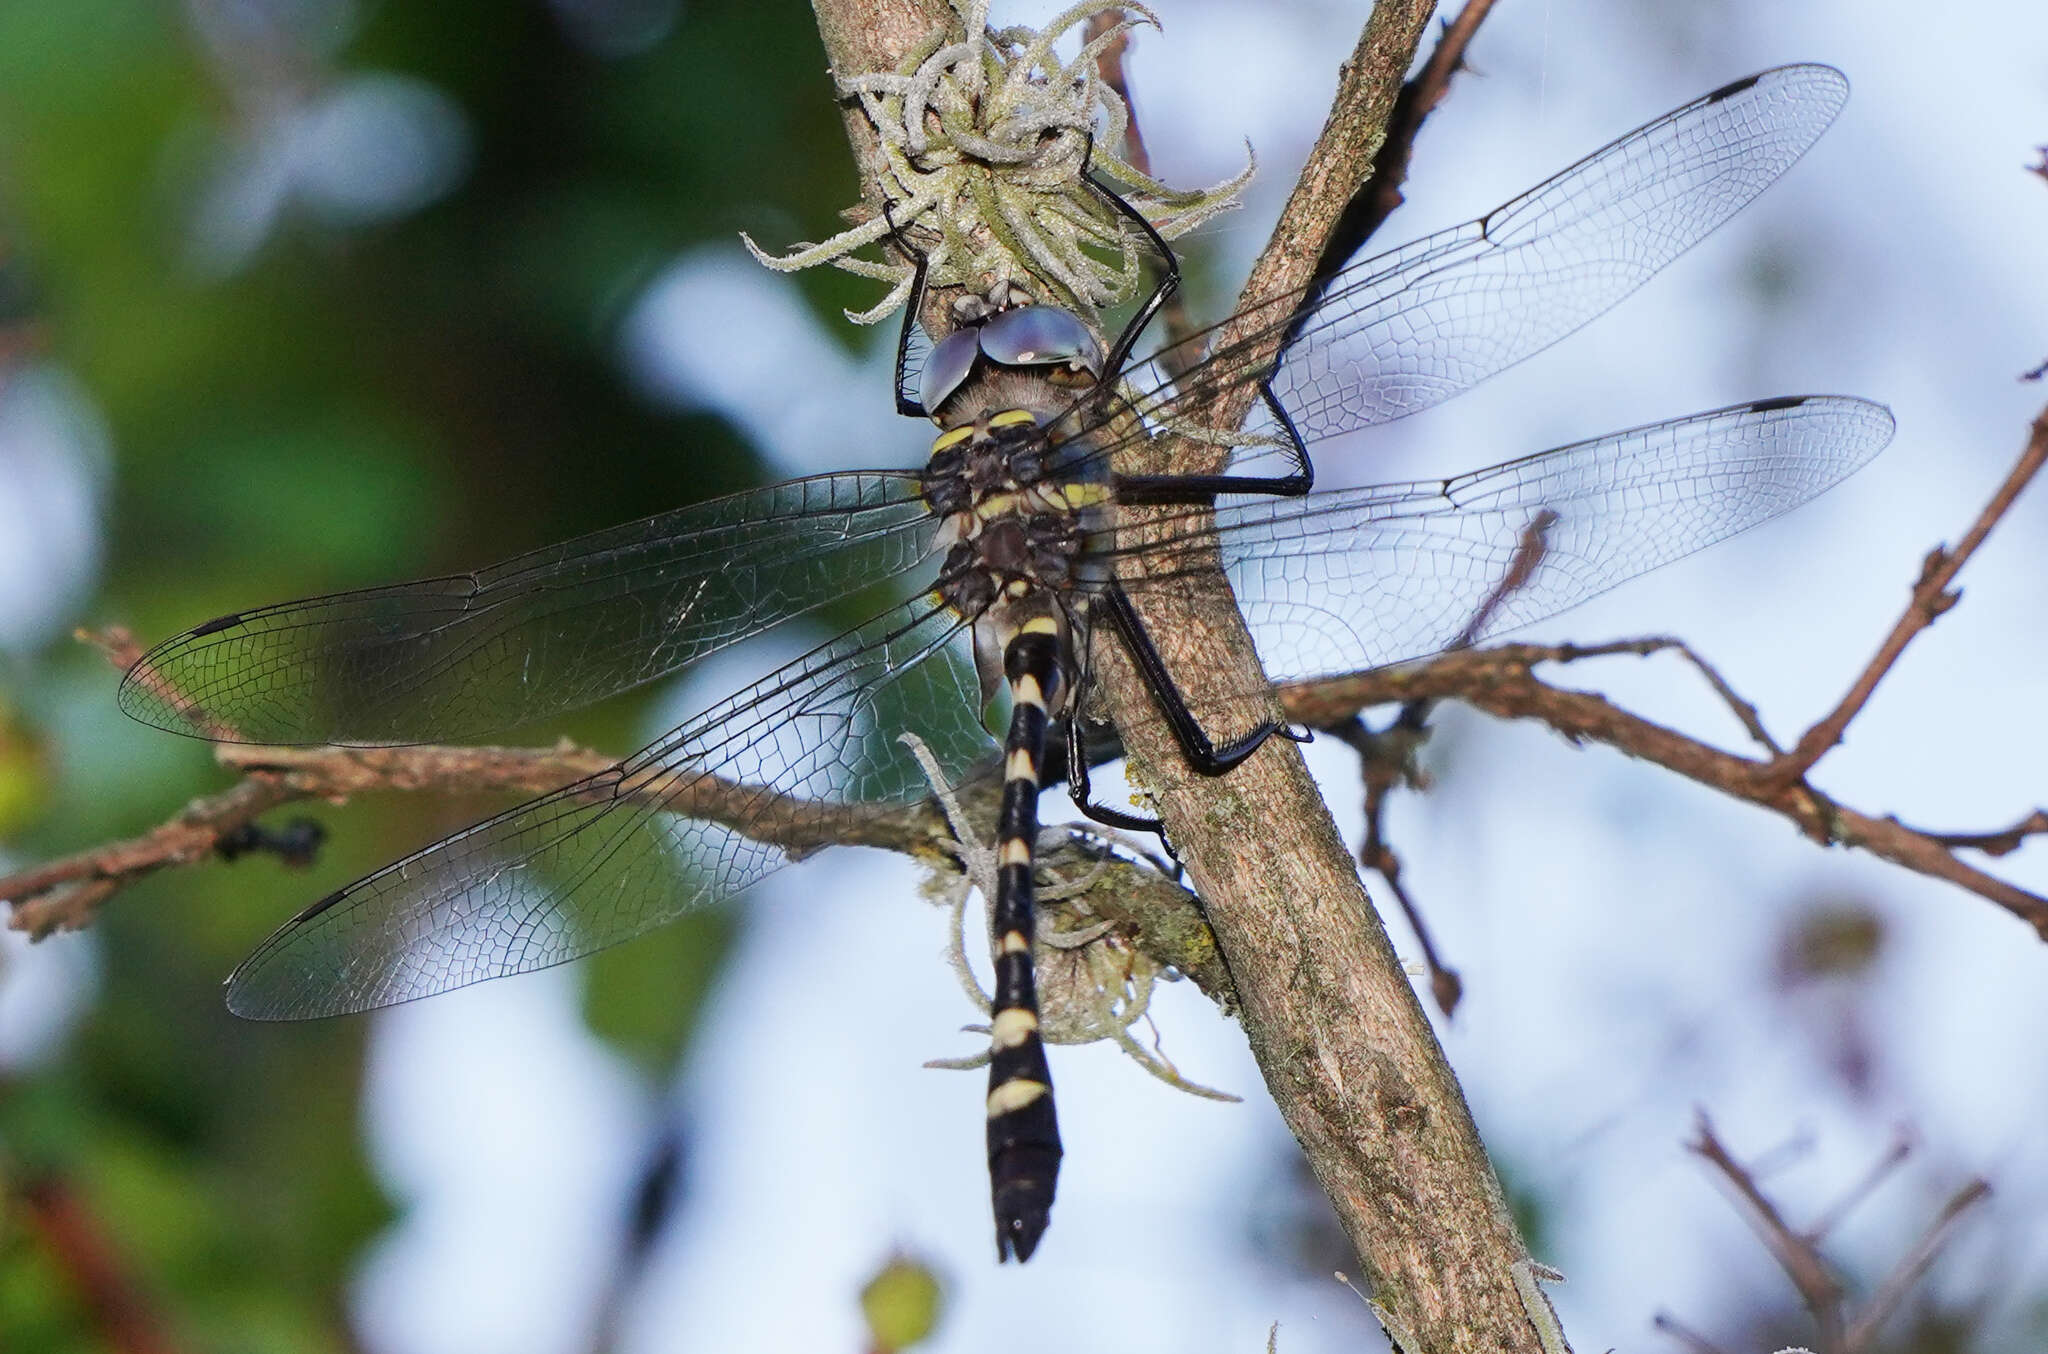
x,y
1010,526
1017,536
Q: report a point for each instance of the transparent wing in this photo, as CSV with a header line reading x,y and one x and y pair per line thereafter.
x,y
1355,579
713,807
449,658
1409,329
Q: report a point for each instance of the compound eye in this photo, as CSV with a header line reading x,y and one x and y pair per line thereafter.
x,y
1041,336
946,369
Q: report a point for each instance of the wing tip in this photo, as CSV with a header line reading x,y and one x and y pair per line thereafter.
x,y
144,697
1811,81
248,998
252,994
1884,424
153,692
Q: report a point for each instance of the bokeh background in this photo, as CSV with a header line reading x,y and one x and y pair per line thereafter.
x,y
308,294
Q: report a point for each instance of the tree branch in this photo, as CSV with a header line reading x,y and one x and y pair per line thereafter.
x,y
1501,681
1343,1043
1796,1254
1159,916
1370,207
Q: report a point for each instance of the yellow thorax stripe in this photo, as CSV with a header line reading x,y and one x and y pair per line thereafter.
x,y
993,506
1008,418
953,438
1075,494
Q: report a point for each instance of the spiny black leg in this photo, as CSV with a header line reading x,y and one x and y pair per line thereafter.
x,y
1201,751
1169,283
1198,489
1076,764
1191,488
905,405
1083,797
1023,1131
1304,477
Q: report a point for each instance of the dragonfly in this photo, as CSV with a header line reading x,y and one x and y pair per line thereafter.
x,y
1004,566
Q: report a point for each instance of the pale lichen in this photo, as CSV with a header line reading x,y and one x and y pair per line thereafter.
x,y
988,141
1093,983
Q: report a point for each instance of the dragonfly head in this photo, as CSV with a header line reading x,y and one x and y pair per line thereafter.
x,y
1043,340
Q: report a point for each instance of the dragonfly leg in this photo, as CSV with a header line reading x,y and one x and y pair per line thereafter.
x,y
905,405
1195,489
1295,483
1203,752
1084,798
1303,477
1023,1131
1169,283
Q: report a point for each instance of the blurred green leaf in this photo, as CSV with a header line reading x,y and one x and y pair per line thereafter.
x,y
24,771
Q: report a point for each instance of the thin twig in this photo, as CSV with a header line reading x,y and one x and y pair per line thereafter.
x,y
1745,712
1930,599
1798,1254
1810,1274
1530,548
1500,681
1387,759
1909,1271
2003,842
125,652
1445,984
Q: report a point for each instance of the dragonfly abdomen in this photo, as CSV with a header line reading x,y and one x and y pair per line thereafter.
x,y
1020,546
1023,1129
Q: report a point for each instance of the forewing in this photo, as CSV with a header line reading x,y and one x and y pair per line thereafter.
x,y
796,761
455,657
1406,330
1355,579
